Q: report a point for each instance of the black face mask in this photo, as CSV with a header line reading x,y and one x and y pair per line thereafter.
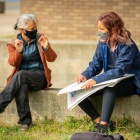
x,y
31,34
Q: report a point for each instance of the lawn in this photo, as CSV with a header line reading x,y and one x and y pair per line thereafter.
x,y
49,129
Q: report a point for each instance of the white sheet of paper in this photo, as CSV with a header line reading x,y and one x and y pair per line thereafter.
x,y
75,97
77,86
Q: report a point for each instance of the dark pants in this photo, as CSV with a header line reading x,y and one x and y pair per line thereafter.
x,y
21,83
122,89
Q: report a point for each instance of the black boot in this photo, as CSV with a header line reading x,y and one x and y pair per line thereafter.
x,y
97,128
102,128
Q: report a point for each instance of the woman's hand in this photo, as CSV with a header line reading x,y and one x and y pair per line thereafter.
x,y
43,41
19,45
89,84
80,79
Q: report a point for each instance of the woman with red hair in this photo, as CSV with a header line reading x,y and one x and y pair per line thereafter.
x,y
118,55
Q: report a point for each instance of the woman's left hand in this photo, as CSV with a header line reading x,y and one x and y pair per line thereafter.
x,y
43,40
89,84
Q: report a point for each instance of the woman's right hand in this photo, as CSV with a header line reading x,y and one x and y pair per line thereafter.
x,y
19,45
80,79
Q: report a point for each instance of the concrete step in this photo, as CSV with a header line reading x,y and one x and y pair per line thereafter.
x,y
48,103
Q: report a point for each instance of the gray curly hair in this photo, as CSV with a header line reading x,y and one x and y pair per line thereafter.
x,y
23,20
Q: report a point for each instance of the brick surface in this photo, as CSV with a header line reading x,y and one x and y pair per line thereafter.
x,y
77,20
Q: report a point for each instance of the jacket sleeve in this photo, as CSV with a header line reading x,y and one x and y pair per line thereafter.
x,y
50,54
14,56
96,65
123,63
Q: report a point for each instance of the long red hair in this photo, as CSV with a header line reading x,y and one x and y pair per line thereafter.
x,y
115,25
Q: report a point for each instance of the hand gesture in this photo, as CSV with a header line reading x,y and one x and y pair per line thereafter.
x,y
89,84
80,79
43,41
19,45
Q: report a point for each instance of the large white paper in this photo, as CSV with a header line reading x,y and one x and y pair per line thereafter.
x,y
76,97
76,94
78,86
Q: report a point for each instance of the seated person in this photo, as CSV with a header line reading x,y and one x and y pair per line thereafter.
x,y
28,53
117,53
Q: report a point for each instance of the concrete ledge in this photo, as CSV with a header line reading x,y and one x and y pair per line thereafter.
x,y
42,103
48,103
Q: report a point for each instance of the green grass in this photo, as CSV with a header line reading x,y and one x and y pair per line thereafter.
x,y
49,129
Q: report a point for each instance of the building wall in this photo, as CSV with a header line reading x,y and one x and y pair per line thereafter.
x,y
77,19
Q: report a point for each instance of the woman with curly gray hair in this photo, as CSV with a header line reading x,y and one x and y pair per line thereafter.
x,y
28,53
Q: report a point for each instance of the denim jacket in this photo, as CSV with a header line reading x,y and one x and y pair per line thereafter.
x,y
127,62
31,59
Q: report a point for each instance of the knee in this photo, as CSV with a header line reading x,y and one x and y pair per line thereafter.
x,y
109,91
20,75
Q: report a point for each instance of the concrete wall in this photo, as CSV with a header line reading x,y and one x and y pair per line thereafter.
x,y
48,103
5,68
72,59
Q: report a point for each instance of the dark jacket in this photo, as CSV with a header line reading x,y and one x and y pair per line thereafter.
x,y
127,61
31,59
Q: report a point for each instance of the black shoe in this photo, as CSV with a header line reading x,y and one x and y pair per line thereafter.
x,y
104,128
24,127
97,128
111,126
